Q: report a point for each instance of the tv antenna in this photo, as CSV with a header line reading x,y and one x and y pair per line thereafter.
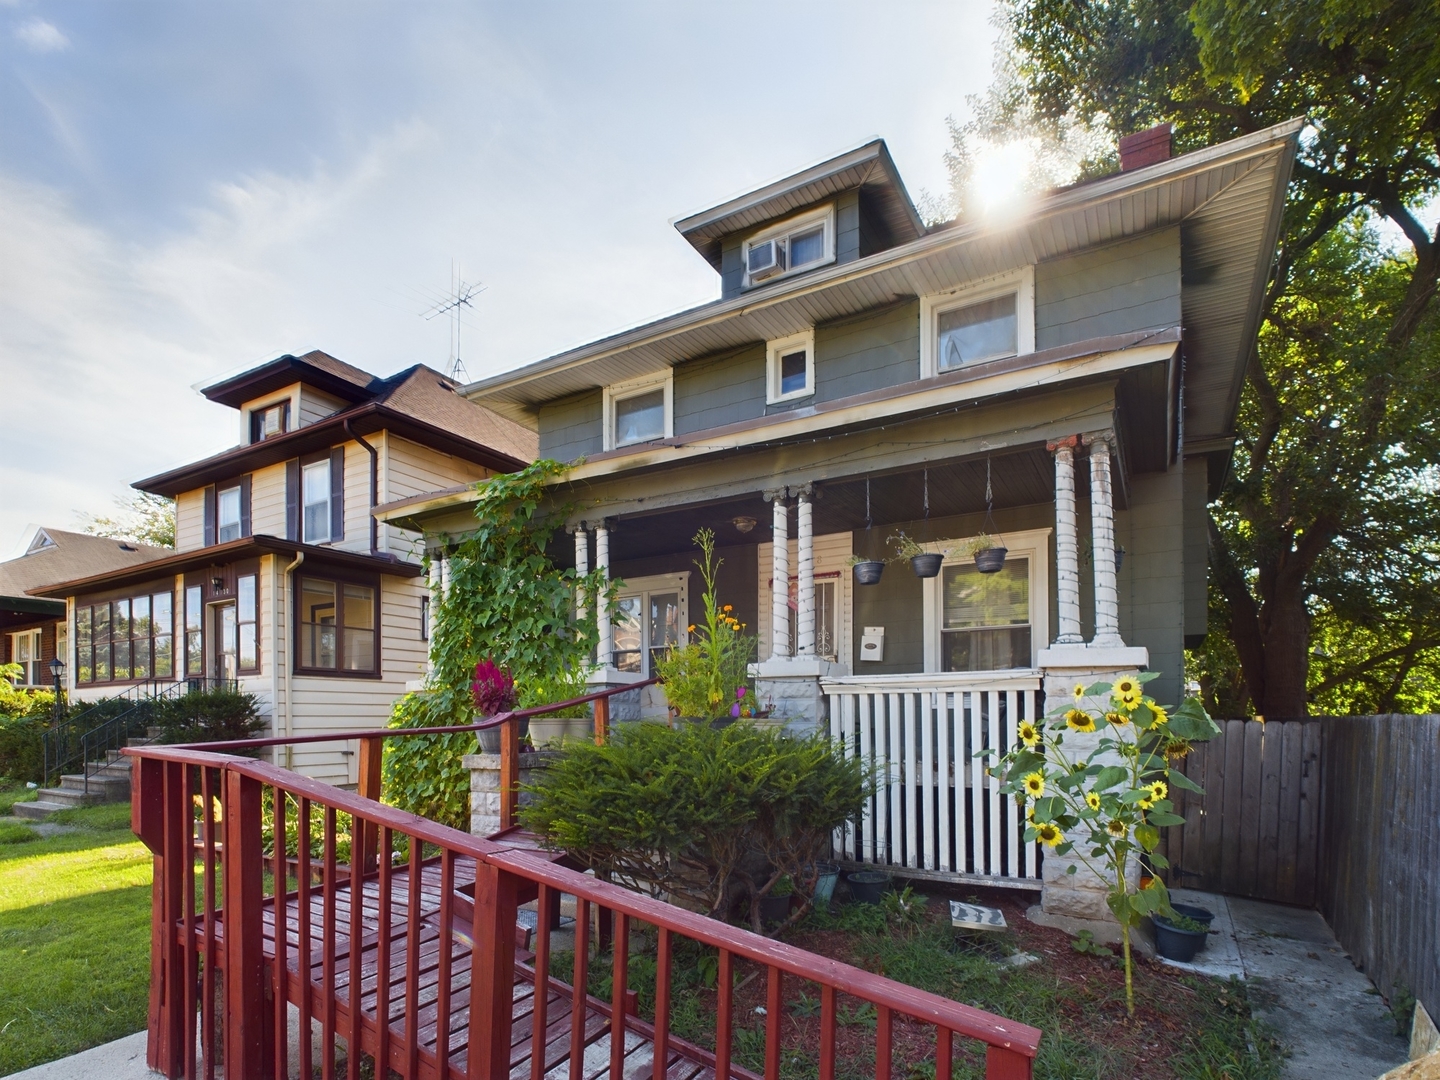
x,y
460,295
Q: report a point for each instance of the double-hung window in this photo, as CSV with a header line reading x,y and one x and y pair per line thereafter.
x,y
990,320
315,495
988,622
25,651
649,620
338,627
789,247
639,411
227,514
790,368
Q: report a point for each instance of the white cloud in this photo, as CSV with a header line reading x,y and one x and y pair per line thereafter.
x,y
40,36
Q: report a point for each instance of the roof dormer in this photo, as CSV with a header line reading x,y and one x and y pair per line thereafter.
x,y
837,211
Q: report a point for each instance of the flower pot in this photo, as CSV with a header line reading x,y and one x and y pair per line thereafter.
x,y
1199,914
928,565
489,738
1175,944
867,886
826,875
991,560
868,572
548,730
774,909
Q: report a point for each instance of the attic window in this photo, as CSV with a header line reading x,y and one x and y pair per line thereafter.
x,y
270,421
793,246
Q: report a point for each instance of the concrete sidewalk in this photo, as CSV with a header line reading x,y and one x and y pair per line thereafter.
x,y
1326,1013
123,1059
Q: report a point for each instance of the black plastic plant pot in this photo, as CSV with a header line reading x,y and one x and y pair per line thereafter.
x,y
1199,914
868,572
928,565
868,886
991,560
774,909
1175,944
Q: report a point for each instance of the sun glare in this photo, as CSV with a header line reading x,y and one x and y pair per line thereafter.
x,y
1002,172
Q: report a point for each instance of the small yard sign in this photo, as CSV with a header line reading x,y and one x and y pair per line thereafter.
x,y
975,917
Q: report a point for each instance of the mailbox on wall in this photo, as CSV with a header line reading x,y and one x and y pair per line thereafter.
x,y
872,643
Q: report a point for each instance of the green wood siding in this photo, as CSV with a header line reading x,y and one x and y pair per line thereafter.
x,y
572,427
1197,552
1134,285
721,389
1152,580
847,227
732,270
868,352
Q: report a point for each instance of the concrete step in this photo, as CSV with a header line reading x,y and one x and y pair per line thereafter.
x,y
38,810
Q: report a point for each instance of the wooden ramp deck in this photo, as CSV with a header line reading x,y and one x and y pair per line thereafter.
x,y
319,951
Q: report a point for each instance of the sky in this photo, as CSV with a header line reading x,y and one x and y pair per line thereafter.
x,y
187,190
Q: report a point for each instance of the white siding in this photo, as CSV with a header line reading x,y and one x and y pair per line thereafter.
x,y
315,406
407,469
267,501
190,520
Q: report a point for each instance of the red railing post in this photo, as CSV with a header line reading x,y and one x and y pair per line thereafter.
x,y
1004,1064
492,973
509,772
602,720
249,1022
366,833
163,797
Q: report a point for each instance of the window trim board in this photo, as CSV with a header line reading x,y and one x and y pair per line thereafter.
x,y
1020,281
780,347
622,391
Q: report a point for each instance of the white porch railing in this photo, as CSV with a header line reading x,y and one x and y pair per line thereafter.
x,y
937,810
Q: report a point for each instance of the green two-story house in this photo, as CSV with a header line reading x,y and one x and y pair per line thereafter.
x,y
1060,383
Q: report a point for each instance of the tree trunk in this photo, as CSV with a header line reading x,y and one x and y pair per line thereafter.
x,y
1287,654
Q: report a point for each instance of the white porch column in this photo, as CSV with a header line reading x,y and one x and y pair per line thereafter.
x,y
805,542
780,577
606,648
1067,542
582,566
1102,533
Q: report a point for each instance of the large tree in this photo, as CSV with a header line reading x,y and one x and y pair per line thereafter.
x,y
1334,460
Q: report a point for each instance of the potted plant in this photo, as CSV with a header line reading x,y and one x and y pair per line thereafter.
x,y
923,561
989,553
494,693
1178,936
775,905
826,875
868,886
867,571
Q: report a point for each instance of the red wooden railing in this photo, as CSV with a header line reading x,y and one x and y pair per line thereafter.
x,y
373,977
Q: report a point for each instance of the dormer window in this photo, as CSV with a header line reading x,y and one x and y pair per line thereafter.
x,y
639,411
791,247
270,421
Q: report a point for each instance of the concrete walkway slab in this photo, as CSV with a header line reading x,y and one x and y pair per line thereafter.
x,y
1326,1013
123,1059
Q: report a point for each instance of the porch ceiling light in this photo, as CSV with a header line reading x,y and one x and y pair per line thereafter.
x,y
743,524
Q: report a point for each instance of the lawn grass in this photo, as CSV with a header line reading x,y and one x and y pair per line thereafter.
x,y
74,938
12,792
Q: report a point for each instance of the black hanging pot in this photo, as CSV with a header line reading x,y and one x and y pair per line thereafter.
x,y
928,565
868,572
991,560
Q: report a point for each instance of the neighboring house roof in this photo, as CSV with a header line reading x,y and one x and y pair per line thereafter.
x,y
867,167
178,562
418,403
56,555
316,368
1228,197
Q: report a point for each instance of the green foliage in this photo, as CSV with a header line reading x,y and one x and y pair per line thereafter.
x,y
708,816
24,716
1084,942
1112,792
709,677
15,833
219,715
508,603
904,909
1320,541
144,518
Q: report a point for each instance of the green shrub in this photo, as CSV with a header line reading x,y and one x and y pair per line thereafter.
x,y
710,817
24,716
208,716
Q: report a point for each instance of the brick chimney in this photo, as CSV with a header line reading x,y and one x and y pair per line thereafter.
x,y
1145,148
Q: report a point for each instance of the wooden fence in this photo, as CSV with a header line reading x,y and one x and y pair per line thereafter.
x,y
1256,830
1379,881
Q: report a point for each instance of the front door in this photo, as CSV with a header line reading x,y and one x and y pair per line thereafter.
x,y
224,636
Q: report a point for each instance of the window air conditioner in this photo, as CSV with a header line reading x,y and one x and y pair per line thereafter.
x,y
766,260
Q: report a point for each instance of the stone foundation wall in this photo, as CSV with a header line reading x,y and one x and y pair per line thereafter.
x,y
485,786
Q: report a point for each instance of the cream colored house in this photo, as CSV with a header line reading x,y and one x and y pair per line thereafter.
x,y
282,581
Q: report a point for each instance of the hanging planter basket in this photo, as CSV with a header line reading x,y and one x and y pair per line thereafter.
x,y
927,565
868,572
991,560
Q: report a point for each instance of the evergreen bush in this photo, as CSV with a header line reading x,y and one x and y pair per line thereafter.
x,y
207,716
710,817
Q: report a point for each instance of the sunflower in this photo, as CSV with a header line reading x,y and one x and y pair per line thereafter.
x,y
1079,720
1029,734
1035,785
1127,692
1158,789
1092,800
1115,827
1119,719
1158,711
1048,833
1079,690
1175,749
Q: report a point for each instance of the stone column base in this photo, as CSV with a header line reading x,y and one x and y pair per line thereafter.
x,y
623,707
485,786
1080,897
791,685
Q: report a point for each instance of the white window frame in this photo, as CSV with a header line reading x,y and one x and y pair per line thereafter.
x,y
657,583
1021,282
800,223
305,537
774,350
239,521
29,665
634,388
1033,544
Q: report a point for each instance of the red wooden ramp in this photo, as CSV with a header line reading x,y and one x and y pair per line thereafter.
x,y
411,951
